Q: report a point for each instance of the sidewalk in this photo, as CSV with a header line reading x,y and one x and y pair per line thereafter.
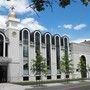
x,y
8,86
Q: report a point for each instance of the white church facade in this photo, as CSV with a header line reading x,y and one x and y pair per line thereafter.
x,y
18,48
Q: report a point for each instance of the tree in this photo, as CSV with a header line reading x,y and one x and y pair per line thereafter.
x,y
66,65
39,66
40,5
82,68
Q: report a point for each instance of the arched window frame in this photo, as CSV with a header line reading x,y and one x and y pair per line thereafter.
x,y
4,40
26,59
49,50
39,39
58,62
67,42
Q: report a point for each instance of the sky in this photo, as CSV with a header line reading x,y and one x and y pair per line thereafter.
x,y
73,21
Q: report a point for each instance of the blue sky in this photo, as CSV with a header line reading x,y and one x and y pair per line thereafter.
x,y
72,20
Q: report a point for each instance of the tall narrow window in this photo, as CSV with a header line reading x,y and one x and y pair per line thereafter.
x,y
25,43
1,45
48,53
37,42
25,37
25,53
66,44
58,54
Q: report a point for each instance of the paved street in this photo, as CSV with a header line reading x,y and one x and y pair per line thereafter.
x,y
73,85
78,86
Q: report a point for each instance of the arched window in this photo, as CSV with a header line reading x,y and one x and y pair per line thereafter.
x,y
66,44
58,54
25,43
25,37
65,40
48,53
25,53
1,45
83,66
37,42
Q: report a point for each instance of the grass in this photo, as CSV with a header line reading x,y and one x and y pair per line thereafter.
x,y
46,82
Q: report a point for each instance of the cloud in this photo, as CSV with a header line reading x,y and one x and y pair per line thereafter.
x,y
68,26
80,26
80,40
2,21
32,24
20,5
73,27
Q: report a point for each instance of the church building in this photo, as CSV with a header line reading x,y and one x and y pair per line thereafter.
x,y
18,48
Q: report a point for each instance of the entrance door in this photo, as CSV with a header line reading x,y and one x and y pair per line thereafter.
x,y
3,74
83,67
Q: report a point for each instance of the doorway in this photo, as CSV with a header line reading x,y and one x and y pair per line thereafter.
x,y
3,73
83,67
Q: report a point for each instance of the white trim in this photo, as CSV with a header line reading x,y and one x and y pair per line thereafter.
x,y
50,51
3,44
59,49
28,51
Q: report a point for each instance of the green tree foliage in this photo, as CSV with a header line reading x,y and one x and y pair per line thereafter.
x,y
82,68
39,66
40,5
66,65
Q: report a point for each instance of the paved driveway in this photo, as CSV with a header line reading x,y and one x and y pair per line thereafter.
x,y
8,86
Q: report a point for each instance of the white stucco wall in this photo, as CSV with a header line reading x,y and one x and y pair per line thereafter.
x,y
77,50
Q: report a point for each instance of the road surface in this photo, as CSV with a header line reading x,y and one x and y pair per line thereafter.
x,y
78,86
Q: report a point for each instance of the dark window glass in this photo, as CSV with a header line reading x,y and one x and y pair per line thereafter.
x,y
53,41
83,67
61,41
48,77
43,39
25,51
77,70
21,35
1,45
37,42
58,76
65,40
58,52
66,45
6,51
25,37
48,53
38,77
32,37
25,78
67,76
25,66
